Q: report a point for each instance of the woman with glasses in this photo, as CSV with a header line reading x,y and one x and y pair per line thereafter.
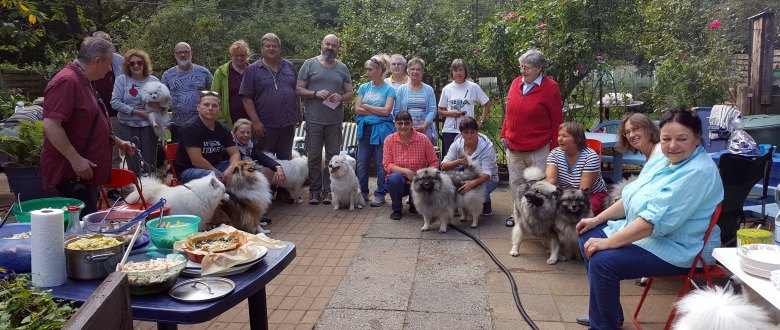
x,y
405,152
227,81
373,115
133,119
638,133
573,165
418,98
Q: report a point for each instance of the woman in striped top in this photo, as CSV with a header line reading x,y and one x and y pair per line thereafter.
x,y
573,165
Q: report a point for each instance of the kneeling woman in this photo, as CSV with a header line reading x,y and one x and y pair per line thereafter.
x,y
472,145
658,223
573,165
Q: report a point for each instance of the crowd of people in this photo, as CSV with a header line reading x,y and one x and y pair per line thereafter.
x,y
245,109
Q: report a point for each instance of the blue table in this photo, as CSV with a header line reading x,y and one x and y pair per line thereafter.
x,y
169,312
609,140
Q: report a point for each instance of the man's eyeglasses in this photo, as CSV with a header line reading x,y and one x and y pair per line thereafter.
x,y
135,63
183,52
403,123
628,132
525,67
209,93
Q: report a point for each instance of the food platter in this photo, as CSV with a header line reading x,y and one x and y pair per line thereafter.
x,y
193,269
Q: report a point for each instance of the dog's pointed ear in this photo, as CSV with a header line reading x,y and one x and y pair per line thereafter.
x,y
214,181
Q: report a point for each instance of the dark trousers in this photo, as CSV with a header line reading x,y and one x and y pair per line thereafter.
x,y
83,191
446,141
278,141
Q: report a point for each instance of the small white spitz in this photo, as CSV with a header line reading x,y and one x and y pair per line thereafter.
x,y
720,308
198,197
157,92
344,185
296,171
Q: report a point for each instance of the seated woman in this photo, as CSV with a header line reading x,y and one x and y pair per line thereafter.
x,y
242,135
573,165
637,133
472,145
405,152
658,224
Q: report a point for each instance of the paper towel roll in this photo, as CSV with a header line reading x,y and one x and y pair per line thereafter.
x,y
48,247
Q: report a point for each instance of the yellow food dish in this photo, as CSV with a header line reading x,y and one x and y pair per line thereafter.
x,y
93,243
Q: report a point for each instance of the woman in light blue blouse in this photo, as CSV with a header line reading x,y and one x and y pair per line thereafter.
x,y
418,98
374,118
657,227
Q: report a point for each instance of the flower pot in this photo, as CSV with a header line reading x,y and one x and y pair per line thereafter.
x,y
27,182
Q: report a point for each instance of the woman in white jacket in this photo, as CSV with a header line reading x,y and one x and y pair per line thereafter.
x,y
472,145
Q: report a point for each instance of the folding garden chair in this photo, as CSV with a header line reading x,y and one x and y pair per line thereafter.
x,y
120,178
170,155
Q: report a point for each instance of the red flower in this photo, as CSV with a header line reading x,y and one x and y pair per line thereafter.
x,y
508,16
475,52
599,58
715,24
542,26
521,18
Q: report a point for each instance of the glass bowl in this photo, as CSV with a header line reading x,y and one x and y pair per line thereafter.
x,y
153,279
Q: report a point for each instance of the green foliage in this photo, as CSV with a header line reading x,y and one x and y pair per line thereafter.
x,y
23,144
8,100
23,306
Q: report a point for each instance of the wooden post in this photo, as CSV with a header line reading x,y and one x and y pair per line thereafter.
x,y
743,101
107,308
761,61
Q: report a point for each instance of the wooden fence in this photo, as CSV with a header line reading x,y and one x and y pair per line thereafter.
x,y
31,84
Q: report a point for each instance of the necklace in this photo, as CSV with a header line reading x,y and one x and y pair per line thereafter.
x,y
273,74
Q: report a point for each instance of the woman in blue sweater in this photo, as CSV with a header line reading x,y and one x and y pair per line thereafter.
x,y
418,98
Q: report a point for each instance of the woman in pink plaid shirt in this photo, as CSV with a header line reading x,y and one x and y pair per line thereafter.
x,y
405,152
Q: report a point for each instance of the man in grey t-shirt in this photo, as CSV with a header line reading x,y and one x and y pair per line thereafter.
x,y
185,80
324,83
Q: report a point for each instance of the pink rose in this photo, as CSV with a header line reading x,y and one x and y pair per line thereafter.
x,y
715,24
599,58
508,16
521,18
542,26
475,52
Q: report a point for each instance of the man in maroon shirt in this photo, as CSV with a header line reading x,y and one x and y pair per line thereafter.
x,y
76,154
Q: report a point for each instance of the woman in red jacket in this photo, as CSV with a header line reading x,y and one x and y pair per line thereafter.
x,y
534,111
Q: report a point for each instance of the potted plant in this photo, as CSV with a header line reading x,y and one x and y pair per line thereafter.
x,y
22,147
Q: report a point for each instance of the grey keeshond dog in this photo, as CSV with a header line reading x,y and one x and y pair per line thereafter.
x,y
469,204
535,211
434,197
573,206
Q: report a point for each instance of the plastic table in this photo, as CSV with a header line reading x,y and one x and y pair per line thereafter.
x,y
169,312
609,140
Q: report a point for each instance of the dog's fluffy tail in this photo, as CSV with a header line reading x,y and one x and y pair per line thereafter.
x,y
719,309
533,174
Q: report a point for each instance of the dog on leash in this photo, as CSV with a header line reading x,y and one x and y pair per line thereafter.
x,y
344,185
156,91
469,204
573,206
200,197
720,308
535,211
434,197
250,197
296,171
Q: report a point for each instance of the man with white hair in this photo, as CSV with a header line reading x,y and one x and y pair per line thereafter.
x,y
76,152
185,80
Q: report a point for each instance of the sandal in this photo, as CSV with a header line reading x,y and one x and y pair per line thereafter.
x,y
510,222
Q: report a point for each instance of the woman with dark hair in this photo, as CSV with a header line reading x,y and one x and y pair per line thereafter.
x,y
457,102
573,165
656,228
637,133
132,115
405,152
471,145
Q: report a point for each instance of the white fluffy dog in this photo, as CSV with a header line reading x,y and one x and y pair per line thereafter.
x,y
344,185
296,171
720,308
198,197
157,92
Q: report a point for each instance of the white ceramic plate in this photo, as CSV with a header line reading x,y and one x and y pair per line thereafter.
x,y
755,271
761,256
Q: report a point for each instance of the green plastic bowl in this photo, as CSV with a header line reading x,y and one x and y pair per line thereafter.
x,y
43,203
165,237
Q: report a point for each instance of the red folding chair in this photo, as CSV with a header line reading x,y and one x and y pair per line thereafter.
x,y
170,155
120,178
595,145
706,271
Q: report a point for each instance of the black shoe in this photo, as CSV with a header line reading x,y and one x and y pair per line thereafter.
x,y
283,196
510,222
585,320
396,215
487,208
412,209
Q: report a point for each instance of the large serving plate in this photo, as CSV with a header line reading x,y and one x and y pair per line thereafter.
x,y
193,269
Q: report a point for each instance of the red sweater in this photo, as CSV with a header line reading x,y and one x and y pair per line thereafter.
x,y
532,120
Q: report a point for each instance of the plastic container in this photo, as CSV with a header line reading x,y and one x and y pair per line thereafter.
x,y
15,254
165,237
765,129
43,203
117,218
151,281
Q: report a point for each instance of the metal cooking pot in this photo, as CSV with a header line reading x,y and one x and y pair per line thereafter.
x,y
88,264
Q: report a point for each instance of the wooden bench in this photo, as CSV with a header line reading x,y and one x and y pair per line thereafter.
x,y
348,133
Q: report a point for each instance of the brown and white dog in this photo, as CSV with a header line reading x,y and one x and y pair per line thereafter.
x,y
250,197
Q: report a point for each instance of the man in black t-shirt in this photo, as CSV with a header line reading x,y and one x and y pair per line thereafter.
x,y
206,145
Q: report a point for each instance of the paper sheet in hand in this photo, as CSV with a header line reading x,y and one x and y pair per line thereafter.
x,y
328,103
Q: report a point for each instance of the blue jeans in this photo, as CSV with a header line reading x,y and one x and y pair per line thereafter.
x,y
193,173
365,151
398,188
607,268
490,185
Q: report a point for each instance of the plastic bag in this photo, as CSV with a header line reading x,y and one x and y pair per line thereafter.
x,y
742,143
